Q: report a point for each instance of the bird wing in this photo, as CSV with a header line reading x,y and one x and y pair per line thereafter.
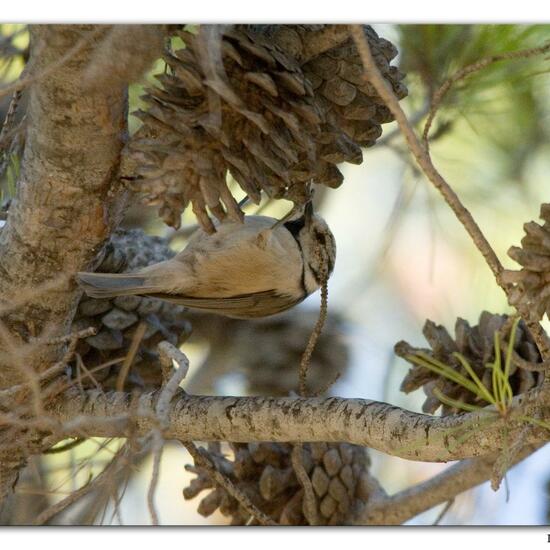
x,y
238,260
259,304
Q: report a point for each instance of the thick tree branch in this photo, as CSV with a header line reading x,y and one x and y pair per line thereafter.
x,y
384,427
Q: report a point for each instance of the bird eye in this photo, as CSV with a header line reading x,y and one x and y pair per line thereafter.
x,y
320,237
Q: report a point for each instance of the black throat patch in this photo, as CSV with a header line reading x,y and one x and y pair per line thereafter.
x,y
294,227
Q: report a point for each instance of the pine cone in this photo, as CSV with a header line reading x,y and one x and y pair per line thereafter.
x,y
533,280
264,103
337,76
476,344
268,351
264,472
116,319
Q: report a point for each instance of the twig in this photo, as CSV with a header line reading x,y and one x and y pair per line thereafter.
x,y
9,120
32,376
297,456
14,391
310,502
373,75
130,356
168,354
398,508
312,342
72,337
96,482
157,448
415,119
201,459
468,70
64,448
443,512
80,366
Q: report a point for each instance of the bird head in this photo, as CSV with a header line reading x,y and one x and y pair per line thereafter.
x,y
317,244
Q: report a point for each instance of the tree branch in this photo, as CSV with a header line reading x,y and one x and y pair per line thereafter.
x,y
456,479
422,156
384,427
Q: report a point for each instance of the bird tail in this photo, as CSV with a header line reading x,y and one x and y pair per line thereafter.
x,y
108,285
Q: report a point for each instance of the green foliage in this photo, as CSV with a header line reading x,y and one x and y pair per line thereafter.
x,y
494,120
8,180
434,52
14,41
12,173
500,394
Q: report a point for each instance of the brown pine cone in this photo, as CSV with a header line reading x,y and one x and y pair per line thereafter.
x,y
266,104
336,76
476,344
533,280
339,475
116,319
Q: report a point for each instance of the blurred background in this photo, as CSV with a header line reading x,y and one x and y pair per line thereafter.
x,y
402,258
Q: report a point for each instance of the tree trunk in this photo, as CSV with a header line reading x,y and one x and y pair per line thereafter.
x,y
67,202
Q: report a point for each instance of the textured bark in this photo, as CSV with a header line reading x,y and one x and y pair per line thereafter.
x,y
66,196
380,426
66,204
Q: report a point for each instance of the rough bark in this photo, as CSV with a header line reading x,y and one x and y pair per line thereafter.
x,y
66,204
384,427
67,195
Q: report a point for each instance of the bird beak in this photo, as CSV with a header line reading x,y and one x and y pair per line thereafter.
x,y
308,213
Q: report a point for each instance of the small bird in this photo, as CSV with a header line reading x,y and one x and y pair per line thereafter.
x,y
245,270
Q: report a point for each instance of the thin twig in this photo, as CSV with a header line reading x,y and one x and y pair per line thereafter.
x,y
310,502
312,342
201,459
443,512
468,70
168,354
28,371
72,338
9,120
415,119
373,75
157,448
130,356
65,448
96,482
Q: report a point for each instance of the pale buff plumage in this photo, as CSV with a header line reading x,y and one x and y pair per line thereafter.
x,y
251,269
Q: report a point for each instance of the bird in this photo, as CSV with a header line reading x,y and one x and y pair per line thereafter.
x,y
245,270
